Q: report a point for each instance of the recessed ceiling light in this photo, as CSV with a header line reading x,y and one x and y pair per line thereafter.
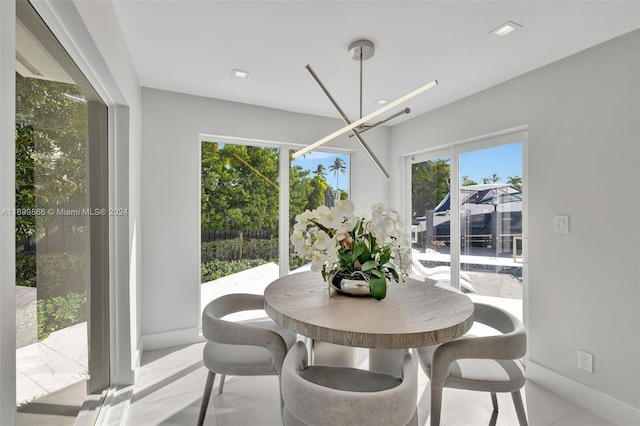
x,y
505,28
239,73
382,101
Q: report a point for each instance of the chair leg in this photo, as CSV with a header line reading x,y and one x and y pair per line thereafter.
x,y
517,401
221,385
205,397
494,400
436,405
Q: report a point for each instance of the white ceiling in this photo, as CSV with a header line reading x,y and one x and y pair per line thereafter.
x,y
192,46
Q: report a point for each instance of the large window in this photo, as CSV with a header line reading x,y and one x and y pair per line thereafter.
x,y
239,213
61,220
240,201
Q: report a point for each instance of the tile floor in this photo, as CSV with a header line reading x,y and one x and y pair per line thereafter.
x,y
59,408
52,364
170,384
169,387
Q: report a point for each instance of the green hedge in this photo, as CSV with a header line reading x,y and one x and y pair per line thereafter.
x,y
296,262
252,248
57,273
26,269
219,258
60,312
214,269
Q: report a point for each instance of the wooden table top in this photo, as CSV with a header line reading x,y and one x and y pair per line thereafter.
x,y
413,314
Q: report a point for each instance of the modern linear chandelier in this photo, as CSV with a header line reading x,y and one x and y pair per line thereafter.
x,y
361,50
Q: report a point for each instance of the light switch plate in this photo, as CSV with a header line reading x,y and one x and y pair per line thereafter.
x,y
561,224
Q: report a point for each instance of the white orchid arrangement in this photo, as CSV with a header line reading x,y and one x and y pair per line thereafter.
x,y
340,244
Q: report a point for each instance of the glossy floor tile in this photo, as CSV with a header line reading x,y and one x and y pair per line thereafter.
x,y
59,408
171,381
52,364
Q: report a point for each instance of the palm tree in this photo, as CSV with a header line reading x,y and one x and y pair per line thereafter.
x,y
338,166
493,179
320,170
515,181
468,182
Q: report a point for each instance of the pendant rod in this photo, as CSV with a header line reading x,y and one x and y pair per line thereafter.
x,y
360,83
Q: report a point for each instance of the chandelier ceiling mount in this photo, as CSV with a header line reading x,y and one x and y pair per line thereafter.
x,y
361,50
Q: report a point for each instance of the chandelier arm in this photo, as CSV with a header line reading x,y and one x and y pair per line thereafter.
x,y
365,128
374,114
346,121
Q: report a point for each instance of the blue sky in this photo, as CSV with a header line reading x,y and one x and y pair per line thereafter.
x,y
311,160
504,160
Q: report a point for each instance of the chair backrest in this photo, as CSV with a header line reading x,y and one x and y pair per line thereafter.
x,y
219,330
510,345
495,317
308,403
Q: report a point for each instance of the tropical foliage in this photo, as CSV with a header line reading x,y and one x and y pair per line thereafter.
x,y
429,185
338,167
51,128
50,171
60,312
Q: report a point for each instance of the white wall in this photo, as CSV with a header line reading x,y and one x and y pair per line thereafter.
x,y
171,124
583,160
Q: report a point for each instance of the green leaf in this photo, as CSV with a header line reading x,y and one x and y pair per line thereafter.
x,y
370,264
378,287
358,249
385,255
377,272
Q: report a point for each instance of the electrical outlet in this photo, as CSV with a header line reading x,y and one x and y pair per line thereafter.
x,y
585,361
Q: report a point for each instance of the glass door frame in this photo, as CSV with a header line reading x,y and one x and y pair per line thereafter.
x,y
453,151
430,155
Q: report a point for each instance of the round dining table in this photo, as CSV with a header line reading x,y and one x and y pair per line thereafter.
x,y
413,313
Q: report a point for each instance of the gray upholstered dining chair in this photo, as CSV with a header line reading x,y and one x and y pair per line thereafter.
x,y
487,363
327,395
247,348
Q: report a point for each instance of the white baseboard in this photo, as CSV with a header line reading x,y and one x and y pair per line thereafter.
x,y
137,359
590,399
115,407
169,339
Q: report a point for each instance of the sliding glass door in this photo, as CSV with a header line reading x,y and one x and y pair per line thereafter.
x,y
490,203
468,215
431,215
61,219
